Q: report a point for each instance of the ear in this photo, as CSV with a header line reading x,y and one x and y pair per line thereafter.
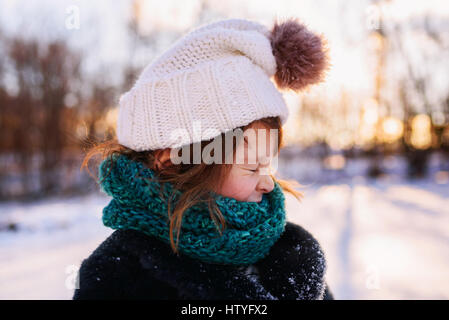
x,y
162,158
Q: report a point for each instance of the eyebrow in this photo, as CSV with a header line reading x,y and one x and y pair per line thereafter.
x,y
258,164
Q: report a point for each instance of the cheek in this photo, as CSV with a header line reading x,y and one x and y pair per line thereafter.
x,y
238,187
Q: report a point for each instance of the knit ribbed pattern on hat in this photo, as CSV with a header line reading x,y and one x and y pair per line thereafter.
x,y
214,79
251,227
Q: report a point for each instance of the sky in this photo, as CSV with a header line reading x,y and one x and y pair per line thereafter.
x,y
102,23
101,33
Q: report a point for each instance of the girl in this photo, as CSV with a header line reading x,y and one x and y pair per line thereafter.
x,y
196,229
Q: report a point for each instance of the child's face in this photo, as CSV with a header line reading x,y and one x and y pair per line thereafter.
x,y
249,178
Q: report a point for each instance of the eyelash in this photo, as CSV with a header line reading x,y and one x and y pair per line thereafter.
x,y
255,170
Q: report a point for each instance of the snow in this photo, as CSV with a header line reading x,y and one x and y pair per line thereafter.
x,y
41,259
382,240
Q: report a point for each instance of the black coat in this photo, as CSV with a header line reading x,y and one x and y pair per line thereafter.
x,y
132,265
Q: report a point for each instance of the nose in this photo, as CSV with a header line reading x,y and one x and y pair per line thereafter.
x,y
265,184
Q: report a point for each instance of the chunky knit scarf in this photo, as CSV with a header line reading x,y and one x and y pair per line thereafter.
x,y
251,227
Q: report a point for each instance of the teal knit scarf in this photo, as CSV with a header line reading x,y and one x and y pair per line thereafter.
x,y
251,227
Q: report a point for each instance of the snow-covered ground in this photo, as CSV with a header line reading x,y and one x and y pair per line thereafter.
x,y
41,258
383,240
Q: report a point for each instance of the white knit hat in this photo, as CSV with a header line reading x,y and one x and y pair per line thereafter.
x,y
214,79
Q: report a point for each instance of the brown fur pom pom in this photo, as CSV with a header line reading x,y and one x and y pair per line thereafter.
x,y
301,56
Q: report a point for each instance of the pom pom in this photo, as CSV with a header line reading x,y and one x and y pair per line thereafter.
x,y
301,56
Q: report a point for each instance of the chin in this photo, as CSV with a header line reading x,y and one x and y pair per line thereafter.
x,y
257,199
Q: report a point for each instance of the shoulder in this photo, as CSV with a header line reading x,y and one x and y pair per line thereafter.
x,y
296,244
295,239
295,261
116,270
121,248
